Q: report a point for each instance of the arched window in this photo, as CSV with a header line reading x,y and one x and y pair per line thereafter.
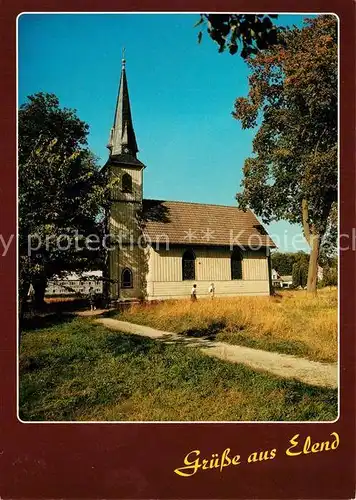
x,y
126,278
188,265
236,265
127,183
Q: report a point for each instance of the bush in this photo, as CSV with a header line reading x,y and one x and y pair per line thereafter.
x,y
329,276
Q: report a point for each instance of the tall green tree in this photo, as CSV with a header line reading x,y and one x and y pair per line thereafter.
x,y
292,100
41,117
300,273
61,192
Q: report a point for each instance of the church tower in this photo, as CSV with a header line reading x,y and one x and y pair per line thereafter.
x,y
127,261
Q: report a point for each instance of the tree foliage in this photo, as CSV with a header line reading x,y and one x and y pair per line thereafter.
x,y
300,272
283,262
292,99
42,117
252,32
60,192
330,277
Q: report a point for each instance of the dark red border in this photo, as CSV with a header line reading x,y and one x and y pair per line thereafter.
x,y
137,460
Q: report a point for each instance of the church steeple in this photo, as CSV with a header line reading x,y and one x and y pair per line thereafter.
x,y
122,136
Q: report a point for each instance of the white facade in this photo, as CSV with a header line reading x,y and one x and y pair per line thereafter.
x,y
73,284
212,264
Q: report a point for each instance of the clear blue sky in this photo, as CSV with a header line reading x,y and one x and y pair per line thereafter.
x,y
182,95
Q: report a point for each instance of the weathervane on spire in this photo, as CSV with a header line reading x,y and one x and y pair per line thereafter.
x,y
123,58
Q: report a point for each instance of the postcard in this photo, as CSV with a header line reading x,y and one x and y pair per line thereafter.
x,y
178,251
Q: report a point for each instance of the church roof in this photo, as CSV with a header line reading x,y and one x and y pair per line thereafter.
x,y
125,159
197,223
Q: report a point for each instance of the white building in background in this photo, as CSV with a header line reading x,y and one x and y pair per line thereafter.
x,y
75,284
279,281
275,275
287,281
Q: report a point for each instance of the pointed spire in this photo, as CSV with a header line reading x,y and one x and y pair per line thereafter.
x,y
122,136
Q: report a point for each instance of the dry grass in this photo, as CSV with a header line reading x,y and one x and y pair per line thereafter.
x,y
292,322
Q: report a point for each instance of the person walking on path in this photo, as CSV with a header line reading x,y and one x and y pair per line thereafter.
x,y
91,297
212,290
193,293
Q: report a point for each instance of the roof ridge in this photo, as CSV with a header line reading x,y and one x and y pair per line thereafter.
x,y
196,203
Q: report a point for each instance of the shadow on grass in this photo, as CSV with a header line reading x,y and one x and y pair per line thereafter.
x,y
183,340
40,321
111,313
207,336
208,333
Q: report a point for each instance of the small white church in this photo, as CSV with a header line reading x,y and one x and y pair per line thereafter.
x,y
164,247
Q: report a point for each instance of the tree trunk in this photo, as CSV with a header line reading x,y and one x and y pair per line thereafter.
x,y
269,262
313,240
313,263
40,287
305,219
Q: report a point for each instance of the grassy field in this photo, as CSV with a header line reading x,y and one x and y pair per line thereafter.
x,y
78,370
291,322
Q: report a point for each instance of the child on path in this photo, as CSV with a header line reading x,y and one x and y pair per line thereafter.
x,y
212,290
193,293
91,297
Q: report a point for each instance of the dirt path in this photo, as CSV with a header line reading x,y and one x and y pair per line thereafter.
x,y
88,312
283,365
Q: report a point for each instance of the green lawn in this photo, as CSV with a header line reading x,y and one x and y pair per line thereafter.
x,y
78,370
